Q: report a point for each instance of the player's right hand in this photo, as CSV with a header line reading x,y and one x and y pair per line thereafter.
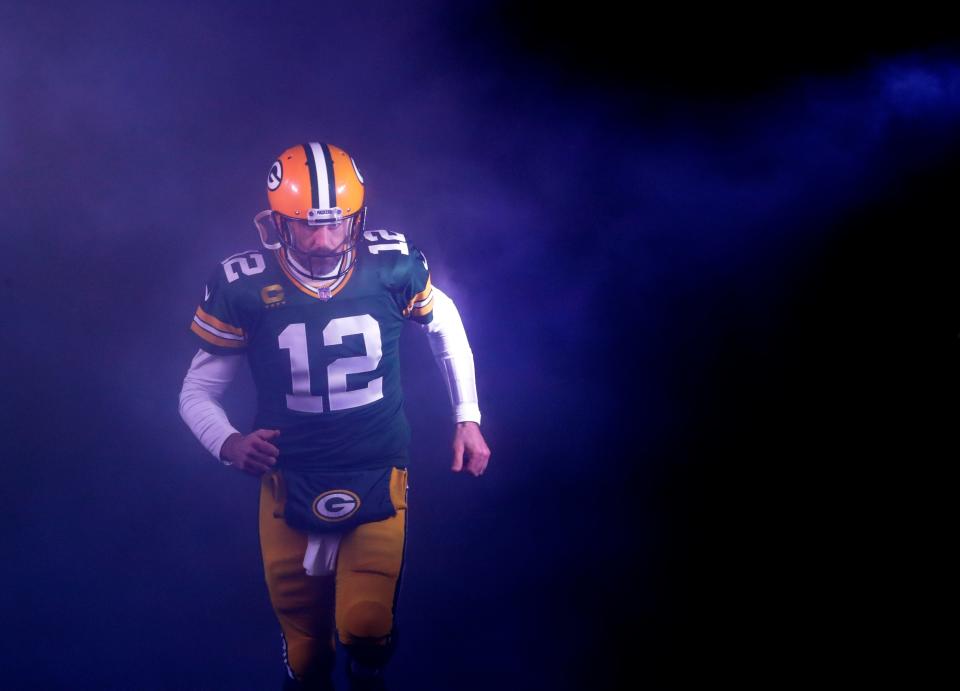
x,y
252,453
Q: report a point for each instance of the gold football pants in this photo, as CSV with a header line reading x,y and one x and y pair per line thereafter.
x,y
357,602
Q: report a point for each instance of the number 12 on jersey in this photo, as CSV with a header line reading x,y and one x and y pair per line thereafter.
x,y
399,241
294,339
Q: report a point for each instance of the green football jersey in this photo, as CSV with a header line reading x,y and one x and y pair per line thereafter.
x,y
326,362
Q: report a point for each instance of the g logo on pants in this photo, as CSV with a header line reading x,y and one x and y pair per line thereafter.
x,y
336,505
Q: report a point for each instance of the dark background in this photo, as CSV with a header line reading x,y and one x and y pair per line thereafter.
x,y
704,262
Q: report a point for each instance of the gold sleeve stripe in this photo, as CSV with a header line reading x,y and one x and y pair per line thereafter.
x,y
423,303
215,340
217,324
216,332
419,297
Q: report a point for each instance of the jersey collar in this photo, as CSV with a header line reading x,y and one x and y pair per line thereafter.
x,y
326,289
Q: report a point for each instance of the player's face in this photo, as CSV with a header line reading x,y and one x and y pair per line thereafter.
x,y
321,242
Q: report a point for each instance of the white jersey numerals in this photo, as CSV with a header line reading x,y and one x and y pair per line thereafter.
x,y
338,370
249,263
294,339
398,241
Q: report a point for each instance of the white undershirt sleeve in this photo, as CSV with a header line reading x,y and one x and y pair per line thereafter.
x,y
450,347
203,387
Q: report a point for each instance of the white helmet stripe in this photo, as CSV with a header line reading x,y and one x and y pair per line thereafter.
x,y
323,182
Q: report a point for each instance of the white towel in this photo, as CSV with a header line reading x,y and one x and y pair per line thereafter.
x,y
320,559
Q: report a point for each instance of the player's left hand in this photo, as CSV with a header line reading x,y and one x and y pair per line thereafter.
x,y
469,447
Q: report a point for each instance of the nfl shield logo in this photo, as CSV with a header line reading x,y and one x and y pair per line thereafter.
x,y
323,293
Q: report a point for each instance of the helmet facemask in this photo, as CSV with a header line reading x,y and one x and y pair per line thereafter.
x,y
277,230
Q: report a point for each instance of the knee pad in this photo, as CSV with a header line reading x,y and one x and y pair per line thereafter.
x,y
366,620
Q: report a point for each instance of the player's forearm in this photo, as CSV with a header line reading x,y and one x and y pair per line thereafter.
x,y
207,420
200,408
458,373
451,350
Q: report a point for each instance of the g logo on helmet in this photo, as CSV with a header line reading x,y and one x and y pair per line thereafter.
x,y
275,175
336,505
356,170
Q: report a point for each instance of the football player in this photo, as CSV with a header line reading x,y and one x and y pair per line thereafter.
x,y
318,312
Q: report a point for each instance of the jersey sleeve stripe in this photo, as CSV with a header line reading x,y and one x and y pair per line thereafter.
x,y
425,309
218,325
216,332
420,300
427,289
214,339
423,303
423,317
422,311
